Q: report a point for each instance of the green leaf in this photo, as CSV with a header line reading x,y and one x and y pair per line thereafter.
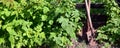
x,y
11,31
58,10
2,40
58,40
0,24
52,35
31,23
51,22
12,41
44,17
24,28
42,35
19,45
7,13
45,10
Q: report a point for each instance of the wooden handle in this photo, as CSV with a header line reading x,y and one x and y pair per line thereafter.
x,y
87,3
